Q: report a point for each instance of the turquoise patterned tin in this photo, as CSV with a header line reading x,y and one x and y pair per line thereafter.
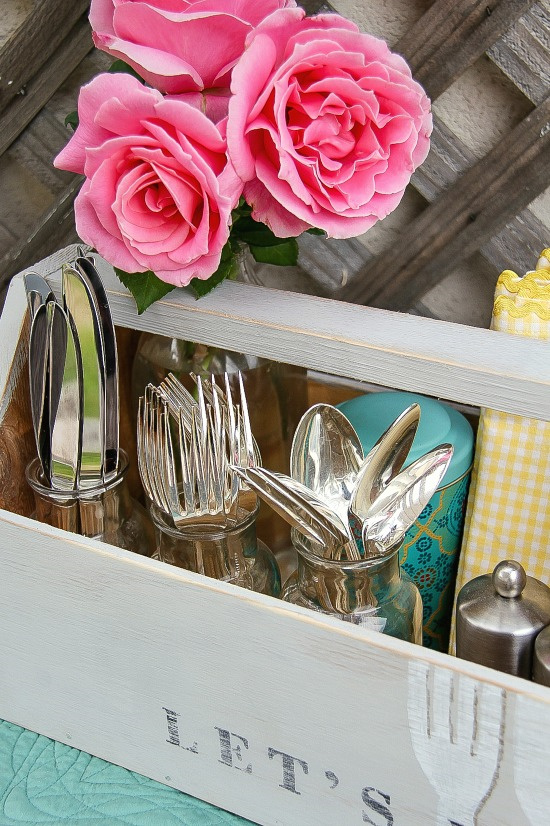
x,y
431,547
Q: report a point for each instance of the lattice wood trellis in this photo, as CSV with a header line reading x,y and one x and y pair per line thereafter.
x,y
471,205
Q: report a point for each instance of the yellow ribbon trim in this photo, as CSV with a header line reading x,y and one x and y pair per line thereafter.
x,y
533,289
506,305
534,284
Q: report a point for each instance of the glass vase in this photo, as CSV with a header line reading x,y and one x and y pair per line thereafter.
x,y
106,512
231,553
374,593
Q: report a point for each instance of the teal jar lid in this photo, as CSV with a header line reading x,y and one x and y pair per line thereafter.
x,y
373,413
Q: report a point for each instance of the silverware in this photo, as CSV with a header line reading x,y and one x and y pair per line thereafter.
x,y
234,441
81,308
182,478
297,505
38,292
386,457
38,295
244,448
65,370
179,399
107,337
399,504
39,385
326,455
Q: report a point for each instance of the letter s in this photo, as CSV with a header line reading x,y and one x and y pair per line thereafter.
x,y
375,806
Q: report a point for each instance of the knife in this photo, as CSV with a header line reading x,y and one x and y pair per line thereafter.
x,y
39,386
65,370
38,292
80,306
90,276
38,295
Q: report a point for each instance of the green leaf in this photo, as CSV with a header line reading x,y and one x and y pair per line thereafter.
x,y
72,120
315,231
285,255
120,67
252,232
227,263
242,209
145,287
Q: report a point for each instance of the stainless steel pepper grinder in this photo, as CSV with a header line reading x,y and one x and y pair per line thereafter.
x,y
498,617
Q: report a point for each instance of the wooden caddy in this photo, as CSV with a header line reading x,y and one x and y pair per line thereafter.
x,y
271,711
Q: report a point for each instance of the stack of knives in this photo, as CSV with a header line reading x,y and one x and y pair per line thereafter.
x,y
73,372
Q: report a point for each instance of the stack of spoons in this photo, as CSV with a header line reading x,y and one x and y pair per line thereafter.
x,y
352,506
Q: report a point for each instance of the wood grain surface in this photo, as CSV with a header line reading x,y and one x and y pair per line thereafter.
x,y
452,361
17,445
39,37
483,199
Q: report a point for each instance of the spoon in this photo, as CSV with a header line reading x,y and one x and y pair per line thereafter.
x,y
401,502
382,463
326,455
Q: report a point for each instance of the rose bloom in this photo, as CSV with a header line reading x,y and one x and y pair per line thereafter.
x,y
326,125
159,190
179,45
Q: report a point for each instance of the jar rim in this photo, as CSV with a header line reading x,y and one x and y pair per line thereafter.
x,y
35,478
304,546
203,530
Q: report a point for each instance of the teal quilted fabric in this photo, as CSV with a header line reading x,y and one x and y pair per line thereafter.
x,y
45,782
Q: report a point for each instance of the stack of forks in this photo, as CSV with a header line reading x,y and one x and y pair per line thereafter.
x,y
187,449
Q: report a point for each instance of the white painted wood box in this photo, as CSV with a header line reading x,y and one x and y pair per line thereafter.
x,y
268,710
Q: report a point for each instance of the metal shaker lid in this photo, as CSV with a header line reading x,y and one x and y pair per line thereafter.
x,y
498,617
541,661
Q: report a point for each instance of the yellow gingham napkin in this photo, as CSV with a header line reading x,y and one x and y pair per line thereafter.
x,y
508,513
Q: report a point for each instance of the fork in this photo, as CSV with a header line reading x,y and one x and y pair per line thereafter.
x,y
178,397
244,449
456,726
196,492
297,505
232,426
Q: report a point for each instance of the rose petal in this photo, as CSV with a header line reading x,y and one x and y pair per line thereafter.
x,y
329,130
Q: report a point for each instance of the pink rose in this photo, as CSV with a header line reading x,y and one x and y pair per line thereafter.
x,y
159,190
179,45
326,125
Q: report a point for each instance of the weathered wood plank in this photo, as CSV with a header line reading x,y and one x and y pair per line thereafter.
x,y
316,6
519,239
22,108
55,229
523,52
518,245
92,622
36,148
32,44
481,202
448,38
468,365
446,161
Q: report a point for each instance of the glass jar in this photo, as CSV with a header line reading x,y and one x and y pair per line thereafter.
x,y
374,593
106,512
231,553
